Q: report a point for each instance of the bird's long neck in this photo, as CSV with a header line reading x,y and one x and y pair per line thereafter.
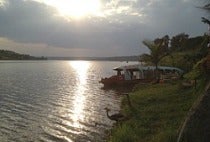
x,y
129,101
107,113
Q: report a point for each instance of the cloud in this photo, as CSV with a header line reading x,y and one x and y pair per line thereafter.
x,y
3,3
31,22
115,7
119,32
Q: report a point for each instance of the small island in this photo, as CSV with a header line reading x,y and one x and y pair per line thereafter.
x,y
11,55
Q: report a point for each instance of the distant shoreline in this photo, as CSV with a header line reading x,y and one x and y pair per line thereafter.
x,y
117,58
11,55
23,59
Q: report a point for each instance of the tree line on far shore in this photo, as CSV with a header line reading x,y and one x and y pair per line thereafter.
x,y
10,55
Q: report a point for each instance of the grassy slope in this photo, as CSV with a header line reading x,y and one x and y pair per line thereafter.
x,y
198,128
157,114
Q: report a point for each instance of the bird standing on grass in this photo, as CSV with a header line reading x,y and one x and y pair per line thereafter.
x,y
116,117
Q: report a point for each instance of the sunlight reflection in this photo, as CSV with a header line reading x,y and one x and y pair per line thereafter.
x,y
81,69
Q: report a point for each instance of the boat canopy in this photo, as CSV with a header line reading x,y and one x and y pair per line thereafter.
x,y
138,67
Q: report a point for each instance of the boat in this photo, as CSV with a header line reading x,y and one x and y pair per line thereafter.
x,y
131,75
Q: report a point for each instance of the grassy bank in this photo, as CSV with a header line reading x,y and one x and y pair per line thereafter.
x,y
197,128
157,113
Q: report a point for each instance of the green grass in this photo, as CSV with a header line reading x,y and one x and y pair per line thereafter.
x,y
157,113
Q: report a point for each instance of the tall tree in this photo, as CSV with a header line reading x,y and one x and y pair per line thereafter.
x,y
178,42
206,7
157,53
163,42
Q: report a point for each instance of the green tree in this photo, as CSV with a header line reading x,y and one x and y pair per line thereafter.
x,y
178,42
206,7
157,53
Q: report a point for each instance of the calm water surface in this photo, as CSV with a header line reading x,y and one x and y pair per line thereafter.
x,y
55,101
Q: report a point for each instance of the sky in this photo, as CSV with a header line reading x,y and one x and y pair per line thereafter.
x,y
94,28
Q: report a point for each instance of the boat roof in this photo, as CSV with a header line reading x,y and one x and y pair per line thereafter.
x,y
138,67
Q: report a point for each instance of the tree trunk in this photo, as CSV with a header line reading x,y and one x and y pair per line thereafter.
x,y
156,73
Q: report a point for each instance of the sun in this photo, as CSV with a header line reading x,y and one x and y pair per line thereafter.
x,y
76,9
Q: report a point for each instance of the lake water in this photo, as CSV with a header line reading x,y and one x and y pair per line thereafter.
x,y
55,101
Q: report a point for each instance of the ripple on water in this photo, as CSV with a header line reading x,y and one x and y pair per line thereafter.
x,y
54,101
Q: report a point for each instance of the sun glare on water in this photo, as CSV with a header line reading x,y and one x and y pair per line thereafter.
x,y
76,9
81,70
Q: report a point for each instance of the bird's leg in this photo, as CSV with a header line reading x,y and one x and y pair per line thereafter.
x,y
129,101
128,98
